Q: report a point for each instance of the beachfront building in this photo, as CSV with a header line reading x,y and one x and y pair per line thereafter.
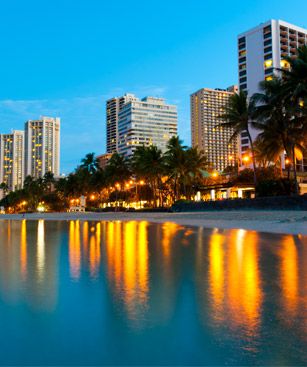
x,y
103,159
207,105
149,121
113,108
42,147
261,51
12,160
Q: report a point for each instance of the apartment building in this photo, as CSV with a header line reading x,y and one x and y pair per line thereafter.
x,y
149,121
12,159
42,147
207,105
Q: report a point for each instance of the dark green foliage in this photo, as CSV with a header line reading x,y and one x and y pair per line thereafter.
x,y
279,187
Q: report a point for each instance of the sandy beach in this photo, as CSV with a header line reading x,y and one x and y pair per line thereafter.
x,y
287,222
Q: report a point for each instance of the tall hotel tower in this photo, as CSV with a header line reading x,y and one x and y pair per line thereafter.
x,y
206,107
114,106
149,121
12,159
42,147
262,49
132,122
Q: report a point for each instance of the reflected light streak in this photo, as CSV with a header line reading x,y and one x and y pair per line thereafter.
x,y
41,250
216,273
130,263
289,274
85,235
244,287
74,249
143,258
23,250
95,254
127,257
169,231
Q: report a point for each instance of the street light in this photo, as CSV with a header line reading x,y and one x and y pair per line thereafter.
x,y
215,174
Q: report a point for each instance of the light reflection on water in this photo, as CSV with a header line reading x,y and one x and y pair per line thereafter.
x,y
150,293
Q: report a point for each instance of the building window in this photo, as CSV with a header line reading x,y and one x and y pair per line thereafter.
x,y
269,71
267,57
267,35
267,49
241,40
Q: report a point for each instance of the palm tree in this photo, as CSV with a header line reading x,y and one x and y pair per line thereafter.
x,y
295,90
295,76
275,113
148,162
175,163
48,180
4,187
34,191
195,165
117,169
238,115
90,163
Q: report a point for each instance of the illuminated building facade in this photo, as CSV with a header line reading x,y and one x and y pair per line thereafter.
x,y
149,121
12,159
207,105
42,147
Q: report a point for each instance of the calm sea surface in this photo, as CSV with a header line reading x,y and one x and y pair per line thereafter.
x,y
139,293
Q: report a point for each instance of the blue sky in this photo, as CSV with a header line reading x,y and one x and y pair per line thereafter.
x,y
65,58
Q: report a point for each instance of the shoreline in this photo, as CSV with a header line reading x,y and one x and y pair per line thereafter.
x,y
269,221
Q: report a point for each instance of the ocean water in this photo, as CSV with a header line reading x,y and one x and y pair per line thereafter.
x,y
136,293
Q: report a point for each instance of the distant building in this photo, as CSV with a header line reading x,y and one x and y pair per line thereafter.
x,y
103,159
12,160
113,107
149,121
42,147
261,51
207,105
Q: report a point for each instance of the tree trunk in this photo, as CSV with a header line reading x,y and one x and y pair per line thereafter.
x,y
294,172
253,158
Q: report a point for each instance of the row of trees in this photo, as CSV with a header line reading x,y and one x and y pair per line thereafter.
x,y
164,176
149,175
279,112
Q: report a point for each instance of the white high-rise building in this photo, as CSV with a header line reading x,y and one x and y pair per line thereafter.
x,y
149,121
114,106
42,147
207,105
260,51
12,159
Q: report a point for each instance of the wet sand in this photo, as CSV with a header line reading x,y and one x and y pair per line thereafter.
x,y
288,222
